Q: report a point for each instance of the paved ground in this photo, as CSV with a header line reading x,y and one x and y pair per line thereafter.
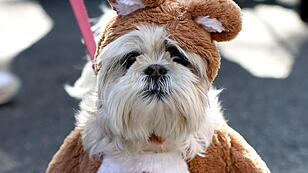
x,y
270,113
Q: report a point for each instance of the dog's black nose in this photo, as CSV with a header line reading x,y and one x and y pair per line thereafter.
x,y
155,71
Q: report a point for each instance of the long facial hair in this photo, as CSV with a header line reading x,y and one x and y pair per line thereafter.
x,y
147,85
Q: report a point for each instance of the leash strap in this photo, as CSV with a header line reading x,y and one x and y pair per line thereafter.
x,y
84,26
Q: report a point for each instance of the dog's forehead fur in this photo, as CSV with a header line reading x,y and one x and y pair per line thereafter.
x,y
151,42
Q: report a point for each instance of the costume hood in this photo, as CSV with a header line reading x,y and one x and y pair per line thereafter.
x,y
193,24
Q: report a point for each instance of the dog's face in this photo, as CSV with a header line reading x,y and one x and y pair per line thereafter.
x,y
147,85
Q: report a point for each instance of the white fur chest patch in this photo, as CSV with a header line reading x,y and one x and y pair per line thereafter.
x,y
146,163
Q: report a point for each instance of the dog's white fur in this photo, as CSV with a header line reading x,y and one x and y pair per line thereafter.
x,y
117,121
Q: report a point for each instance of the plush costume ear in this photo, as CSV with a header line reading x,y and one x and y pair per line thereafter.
x,y
220,17
125,7
211,25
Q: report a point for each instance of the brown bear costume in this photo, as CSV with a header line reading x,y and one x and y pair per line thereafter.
x,y
228,152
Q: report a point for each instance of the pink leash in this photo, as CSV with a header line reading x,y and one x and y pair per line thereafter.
x,y
84,25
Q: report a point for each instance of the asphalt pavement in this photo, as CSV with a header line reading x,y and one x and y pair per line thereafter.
x,y
270,113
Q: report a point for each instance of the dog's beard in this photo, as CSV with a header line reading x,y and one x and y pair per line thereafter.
x,y
171,107
133,106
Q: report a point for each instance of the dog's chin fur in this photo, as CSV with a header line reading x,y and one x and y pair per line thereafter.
x,y
118,119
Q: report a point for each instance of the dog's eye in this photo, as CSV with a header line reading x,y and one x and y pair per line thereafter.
x,y
177,56
130,59
182,61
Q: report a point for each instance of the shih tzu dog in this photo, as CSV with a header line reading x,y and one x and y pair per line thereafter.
x,y
151,96
150,106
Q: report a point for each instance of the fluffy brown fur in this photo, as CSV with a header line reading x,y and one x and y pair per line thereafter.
x,y
228,153
179,19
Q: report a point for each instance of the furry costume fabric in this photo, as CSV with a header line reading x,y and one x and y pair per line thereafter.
x,y
180,20
228,153
194,25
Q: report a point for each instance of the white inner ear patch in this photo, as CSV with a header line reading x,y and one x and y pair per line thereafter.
x,y
125,7
211,25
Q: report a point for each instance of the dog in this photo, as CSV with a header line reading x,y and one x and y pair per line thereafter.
x,y
149,105
152,106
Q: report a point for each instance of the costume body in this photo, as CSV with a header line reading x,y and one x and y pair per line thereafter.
x,y
228,153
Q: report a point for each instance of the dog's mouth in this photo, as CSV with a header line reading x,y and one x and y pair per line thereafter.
x,y
154,93
156,88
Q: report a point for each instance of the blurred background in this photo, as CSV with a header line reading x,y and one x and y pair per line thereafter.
x,y
264,74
